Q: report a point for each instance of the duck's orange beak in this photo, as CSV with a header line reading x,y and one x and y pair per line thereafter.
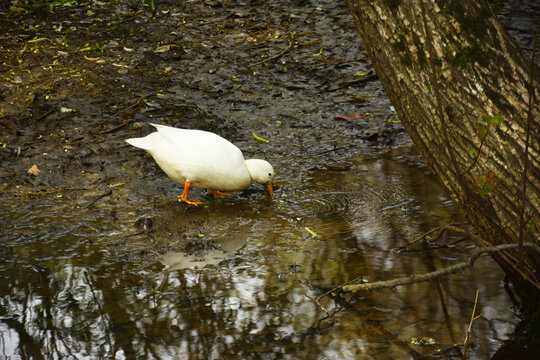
x,y
270,189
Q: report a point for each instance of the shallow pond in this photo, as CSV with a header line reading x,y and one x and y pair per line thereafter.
x,y
102,281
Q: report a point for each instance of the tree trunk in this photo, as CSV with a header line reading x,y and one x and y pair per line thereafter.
x,y
453,74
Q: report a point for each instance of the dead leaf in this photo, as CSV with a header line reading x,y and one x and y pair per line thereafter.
x,y
34,170
162,49
347,117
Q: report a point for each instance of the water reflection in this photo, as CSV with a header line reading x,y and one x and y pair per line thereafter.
x,y
76,285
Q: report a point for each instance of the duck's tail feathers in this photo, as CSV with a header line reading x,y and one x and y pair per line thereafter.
x,y
141,143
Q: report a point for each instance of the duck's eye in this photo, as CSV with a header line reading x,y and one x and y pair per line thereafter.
x,y
269,174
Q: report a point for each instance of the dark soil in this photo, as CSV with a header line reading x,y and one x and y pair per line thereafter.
x,y
80,77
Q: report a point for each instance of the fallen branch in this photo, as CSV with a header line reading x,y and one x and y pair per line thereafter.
x,y
436,274
525,271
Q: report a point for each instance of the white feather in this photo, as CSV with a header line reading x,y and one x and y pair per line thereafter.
x,y
203,158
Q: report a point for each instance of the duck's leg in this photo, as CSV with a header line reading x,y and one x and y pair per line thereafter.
x,y
184,196
217,194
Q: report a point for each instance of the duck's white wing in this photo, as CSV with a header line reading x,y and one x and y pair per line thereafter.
x,y
198,141
205,159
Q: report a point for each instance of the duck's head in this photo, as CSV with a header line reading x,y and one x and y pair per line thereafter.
x,y
262,172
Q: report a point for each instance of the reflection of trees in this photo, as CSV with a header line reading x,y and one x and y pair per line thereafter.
x,y
89,302
117,312
376,260
28,347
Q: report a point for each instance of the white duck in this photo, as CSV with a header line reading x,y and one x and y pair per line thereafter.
x,y
202,159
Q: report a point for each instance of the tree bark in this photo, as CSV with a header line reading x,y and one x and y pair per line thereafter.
x,y
453,73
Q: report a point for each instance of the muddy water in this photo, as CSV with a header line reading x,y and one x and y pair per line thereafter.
x,y
99,260
106,282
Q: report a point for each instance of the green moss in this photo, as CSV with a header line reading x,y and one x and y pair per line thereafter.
x,y
403,51
465,56
471,50
473,23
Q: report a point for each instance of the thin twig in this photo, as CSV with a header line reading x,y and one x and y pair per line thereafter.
x,y
196,107
273,57
113,129
105,194
316,301
43,116
119,112
436,274
468,335
477,155
297,25
440,230
526,154
438,97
